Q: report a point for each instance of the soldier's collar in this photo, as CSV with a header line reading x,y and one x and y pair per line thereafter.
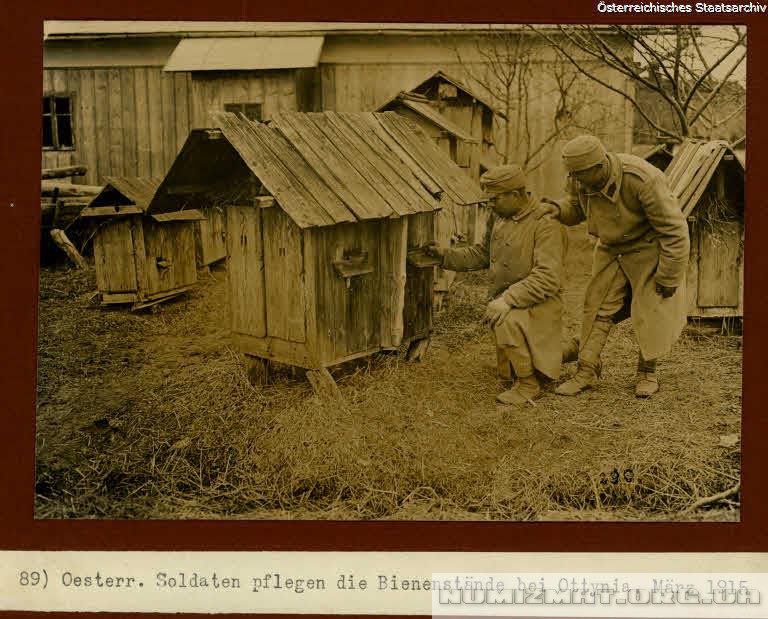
x,y
613,185
526,210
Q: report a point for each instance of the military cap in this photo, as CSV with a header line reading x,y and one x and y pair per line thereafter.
x,y
583,152
503,178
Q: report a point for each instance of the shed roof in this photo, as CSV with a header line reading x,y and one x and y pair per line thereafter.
x,y
324,168
105,28
694,165
423,107
245,53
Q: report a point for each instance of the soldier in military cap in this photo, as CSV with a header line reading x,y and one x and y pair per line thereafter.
x,y
524,249
640,261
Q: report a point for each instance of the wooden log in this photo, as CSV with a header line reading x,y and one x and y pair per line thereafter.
x,y
75,170
49,188
68,248
81,201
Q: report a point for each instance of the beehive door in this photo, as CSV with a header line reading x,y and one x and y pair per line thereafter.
x,y
212,236
283,276
417,312
392,260
169,256
245,271
719,257
362,298
113,251
349,309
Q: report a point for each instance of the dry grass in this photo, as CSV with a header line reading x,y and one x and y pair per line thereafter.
x,y
151,416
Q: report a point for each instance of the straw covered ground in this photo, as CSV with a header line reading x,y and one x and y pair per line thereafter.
x,y
150,415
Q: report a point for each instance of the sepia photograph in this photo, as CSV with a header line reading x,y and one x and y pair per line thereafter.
x,y
391,271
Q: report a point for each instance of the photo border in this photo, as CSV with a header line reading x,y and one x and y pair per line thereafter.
x,y
20,81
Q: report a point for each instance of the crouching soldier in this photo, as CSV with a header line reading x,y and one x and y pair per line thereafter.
x,y
640,262
524,249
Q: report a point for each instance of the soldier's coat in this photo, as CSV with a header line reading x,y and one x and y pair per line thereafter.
x,y
643,232
524,255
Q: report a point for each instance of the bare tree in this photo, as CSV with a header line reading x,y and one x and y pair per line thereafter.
x,y
519,82
693,71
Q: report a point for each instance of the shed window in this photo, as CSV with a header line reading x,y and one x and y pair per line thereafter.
x,y
252,111
57,122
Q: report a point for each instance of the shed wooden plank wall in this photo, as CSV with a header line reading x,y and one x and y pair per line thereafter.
x,y
132,121
276,91
128,121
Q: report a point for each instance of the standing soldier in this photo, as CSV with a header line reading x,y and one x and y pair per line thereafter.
x,y
640,262
524,249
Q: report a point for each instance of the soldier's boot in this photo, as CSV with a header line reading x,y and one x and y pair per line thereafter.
x,y
571,350
647,380
527,387
590,367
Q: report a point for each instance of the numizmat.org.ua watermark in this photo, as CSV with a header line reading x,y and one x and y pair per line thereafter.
x,y
516,594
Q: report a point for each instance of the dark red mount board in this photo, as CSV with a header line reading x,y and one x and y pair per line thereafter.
x,y
21,28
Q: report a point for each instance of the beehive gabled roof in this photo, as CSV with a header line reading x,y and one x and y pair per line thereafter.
x,y
127,190
132,195
694,165
426,108
329,168
482,99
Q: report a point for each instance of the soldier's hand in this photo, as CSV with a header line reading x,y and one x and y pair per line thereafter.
x,y
665,291
434,250
496,312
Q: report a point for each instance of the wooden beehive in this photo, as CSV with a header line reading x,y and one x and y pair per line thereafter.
x,y
140,259
461,123
708,180
327,218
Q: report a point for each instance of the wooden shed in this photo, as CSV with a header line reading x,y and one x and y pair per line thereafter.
x,y
327,217
140,259
708,180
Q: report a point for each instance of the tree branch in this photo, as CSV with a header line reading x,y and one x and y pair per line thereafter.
x,y
577,65
703,77
720,86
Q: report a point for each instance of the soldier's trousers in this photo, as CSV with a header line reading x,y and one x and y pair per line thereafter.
x,y
615,295
614,298
514,360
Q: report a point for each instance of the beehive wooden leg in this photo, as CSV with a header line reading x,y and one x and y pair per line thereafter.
x,y
323,384
417,349
437,303
257,370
